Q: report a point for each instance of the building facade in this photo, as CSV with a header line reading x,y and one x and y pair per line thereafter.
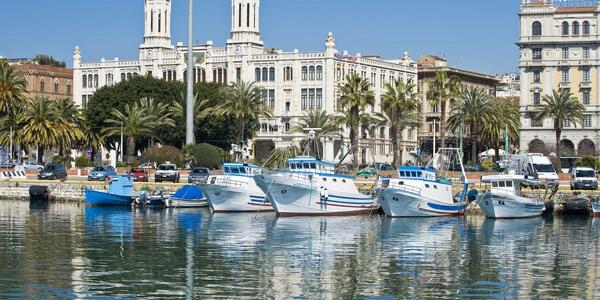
x,y
559,50
429,65
509,86
52,82
294,82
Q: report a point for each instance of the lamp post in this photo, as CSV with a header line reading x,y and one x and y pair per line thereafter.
x,y
189,129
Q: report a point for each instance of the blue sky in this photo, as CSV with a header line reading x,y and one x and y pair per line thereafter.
x,y
472,34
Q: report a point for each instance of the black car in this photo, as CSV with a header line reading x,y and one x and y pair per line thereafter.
x,y
7,165
53,172
198,175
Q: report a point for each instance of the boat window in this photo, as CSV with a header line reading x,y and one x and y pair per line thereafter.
x,y
494,183
243,170
420,174
502,184
324,179
306,166
313,166
226,170
413,174
509,184
344,180
334,180
402,173
427,185
435,187
293,166
212,180
235,170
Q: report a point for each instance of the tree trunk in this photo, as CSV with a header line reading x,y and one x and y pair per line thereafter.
x,y
130,148
474,143
442,124
40,155
242,128
353,146
397,151
558,131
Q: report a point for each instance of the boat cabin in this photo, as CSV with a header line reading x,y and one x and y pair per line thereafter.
x,y
309,164
121,184
504,184
239,169
417,173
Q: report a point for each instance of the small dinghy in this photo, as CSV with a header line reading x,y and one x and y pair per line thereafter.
x,y
576,204
156,200
187,196
120,193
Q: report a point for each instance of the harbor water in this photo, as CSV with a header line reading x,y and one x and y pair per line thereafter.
x,y
64,250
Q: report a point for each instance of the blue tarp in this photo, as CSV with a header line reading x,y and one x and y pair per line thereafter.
x,y
188,192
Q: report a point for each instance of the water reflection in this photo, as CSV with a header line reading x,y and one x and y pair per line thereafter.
x,y
65,251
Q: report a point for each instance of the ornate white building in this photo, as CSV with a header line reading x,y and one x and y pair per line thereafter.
x,y
294,82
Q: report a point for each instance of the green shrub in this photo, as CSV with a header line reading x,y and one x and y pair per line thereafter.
x,y
202,155
163,154
487,165
65,160
587,161
82,162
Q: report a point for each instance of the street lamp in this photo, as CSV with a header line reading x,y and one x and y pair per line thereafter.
x,y
189,129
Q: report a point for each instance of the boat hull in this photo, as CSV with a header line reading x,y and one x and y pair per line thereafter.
x,y
291,197
181,203
577,206
596,209
99,198
231,199
500,206
398,203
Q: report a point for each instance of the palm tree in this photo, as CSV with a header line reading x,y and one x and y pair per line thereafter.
x,y
562,106
202,108
12,88
244,102
279,156
133,122
317,119
163,115
399,110
472,109
443,90
41,125
504,115
356,95
70,119
92,139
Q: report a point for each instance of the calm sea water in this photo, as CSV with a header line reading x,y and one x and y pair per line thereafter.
x,y
68,251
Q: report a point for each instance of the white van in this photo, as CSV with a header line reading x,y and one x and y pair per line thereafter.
x,y
583,179
534,165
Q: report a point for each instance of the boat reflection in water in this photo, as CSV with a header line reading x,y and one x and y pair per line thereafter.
x,y
116,222
190,222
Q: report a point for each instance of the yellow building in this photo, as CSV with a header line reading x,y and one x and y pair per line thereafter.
x,y
559,50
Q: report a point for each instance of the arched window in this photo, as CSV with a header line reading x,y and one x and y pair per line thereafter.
x,y
84,81
123,77
56,86
288,74
536,28
271,74
68,92
240,15
90,81
575,28
42,86
265,74
565,28
152,21
129,75
203,75
586,28
159,21
319,73
304,73
311,73
257,74
247,15
96,80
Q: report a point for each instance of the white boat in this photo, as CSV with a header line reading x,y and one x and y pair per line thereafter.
x,y
235,190
421,192
187,197
418,192
311,187
505,200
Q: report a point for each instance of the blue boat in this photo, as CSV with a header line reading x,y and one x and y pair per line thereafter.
x,y
188,196
120,193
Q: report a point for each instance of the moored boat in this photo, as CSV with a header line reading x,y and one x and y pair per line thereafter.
x,y
235,190
596,207
506,200
576,204
120,193
187,197
311,187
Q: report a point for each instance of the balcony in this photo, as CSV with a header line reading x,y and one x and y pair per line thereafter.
x,y
564,85
432,115
585,85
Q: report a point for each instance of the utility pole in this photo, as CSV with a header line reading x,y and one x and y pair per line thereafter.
x,y
121,144
189,128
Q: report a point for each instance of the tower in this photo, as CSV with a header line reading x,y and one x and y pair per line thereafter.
x,y
157,26
245,22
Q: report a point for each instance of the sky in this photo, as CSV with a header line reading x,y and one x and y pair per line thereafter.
x,y
472,34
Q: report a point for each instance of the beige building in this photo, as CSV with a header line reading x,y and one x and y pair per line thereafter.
x,y
559,50
428,66
45,81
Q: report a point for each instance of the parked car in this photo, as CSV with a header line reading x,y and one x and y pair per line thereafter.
x,y
383,167
583,179
166,172
139,174
101,173
30,165
53,172
147,165
198,175
7,165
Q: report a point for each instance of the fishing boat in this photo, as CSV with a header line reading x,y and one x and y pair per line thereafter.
x,y
311,187
421,192
506,200
235,190
187,196
120,193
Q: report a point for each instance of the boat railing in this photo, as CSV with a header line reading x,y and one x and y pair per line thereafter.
x,y
406,188
228,182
